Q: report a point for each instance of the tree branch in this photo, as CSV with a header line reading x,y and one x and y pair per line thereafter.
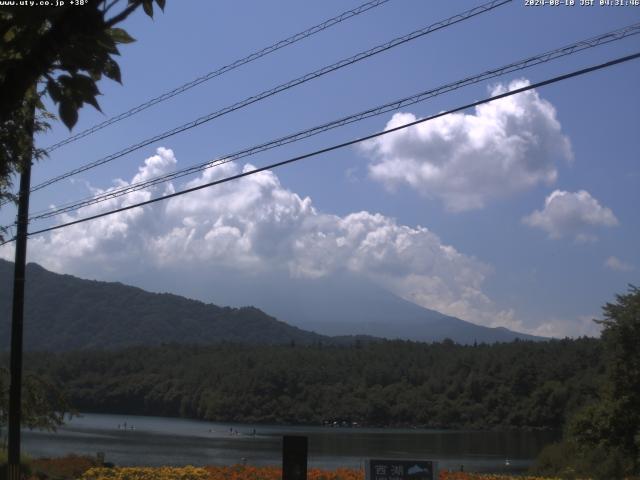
x,y
123,15
110,6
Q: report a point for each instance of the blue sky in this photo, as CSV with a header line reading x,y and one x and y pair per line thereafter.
x,y
453,216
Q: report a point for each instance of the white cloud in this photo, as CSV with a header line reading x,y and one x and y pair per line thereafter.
x,y
255,225
571,214
614,263
582,326
466,160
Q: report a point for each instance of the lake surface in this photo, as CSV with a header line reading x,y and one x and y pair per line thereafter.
x,y
171,441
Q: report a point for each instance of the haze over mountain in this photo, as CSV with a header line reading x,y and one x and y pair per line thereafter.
x,y
65,312
343,304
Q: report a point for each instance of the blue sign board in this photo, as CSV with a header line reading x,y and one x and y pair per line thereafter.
x,y
401,469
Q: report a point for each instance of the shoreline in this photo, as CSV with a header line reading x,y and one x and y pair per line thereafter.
x,y
390,426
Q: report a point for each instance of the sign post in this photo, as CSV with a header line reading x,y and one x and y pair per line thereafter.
x,y
294,457
391,469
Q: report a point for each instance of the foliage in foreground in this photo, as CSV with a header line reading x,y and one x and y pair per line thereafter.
x,y
67,49
73,467
238,472
67,467
445,475
602,440
44,405
61,51
568,460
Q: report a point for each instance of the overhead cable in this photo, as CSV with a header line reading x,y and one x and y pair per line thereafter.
x,y
282,87
341,145
381,109
222,70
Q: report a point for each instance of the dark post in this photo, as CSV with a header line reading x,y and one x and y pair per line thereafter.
x,y
17,313
294,457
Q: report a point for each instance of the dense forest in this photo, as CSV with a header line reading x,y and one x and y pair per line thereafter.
x,y
510,385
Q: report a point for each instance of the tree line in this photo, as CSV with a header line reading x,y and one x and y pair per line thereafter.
x,y
588,387
389,383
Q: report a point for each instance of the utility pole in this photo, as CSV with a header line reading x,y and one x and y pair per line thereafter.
x,y
17,313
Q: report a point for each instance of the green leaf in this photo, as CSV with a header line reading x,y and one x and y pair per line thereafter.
x,y
66,82
93,102
84,90
107,42
9,34
120,35
68,113
75,56
54,90
39,104
161,4
147,6
84,84
112,70
95,75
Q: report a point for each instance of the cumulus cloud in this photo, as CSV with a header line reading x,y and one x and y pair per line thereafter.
x,y
571,214
255,225
614,263
582,326
111,243
466,160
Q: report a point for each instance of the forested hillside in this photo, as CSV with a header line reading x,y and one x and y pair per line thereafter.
x,y
63,312
516,385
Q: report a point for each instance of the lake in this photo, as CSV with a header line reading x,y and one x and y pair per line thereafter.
x,y
158,441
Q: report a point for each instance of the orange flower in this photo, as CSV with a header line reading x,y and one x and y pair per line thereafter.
x,y
247,472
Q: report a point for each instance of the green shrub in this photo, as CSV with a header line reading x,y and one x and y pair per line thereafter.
x,y
25,462
567,460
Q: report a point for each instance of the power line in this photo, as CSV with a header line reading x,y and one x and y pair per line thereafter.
x,y
395,105
342,145
222,70
282,87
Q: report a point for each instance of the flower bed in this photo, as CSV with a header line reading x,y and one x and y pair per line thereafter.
x,y
240,472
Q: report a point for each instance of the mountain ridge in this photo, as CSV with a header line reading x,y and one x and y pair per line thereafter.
x,y
64,312
343,304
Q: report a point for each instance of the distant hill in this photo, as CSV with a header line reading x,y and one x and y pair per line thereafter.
x,y
348,305
63,312
364,308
